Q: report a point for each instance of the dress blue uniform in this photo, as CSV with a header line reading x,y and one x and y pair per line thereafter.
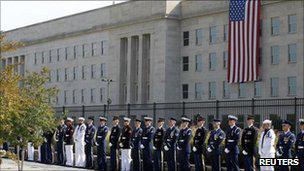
x,y
89,143
284,145
157,146
100,139
46,149
214,148
147,137
114,137
170,139
299,147
59,137
135,144
248,141
231,146
199,146
183,147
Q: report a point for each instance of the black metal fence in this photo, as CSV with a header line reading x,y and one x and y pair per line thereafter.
x,y
274,109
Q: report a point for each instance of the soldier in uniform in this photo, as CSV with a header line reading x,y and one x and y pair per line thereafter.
x,y
46,148
157,144
59,138
135,144
79,137
183,145
69,142
266,144
217,135
146,146
248,140
231,144
125,145
285,144
299,145
170,140
100,139
89,142
114,137
199,144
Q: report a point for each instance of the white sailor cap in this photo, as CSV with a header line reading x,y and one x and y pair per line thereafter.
x,y
127,119
148,119
70,119
267,121
301,121
231,117
102,118
81,118
184,119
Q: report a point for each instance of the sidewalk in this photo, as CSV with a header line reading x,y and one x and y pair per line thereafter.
x,y
11,165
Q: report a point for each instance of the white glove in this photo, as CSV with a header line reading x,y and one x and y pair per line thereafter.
x,y
96,144
244,152
226,150
120,145
166,148
278,154
194,149
110,144
154,148
142,146
209,149
178,148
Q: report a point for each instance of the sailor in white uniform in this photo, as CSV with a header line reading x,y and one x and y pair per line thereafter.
x,y
30,151
79,143
266,144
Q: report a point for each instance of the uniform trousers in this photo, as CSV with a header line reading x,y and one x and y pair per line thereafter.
x,y
30,151
79,154
125,159
267,168
69,155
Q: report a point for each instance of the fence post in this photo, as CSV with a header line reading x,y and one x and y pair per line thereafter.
x,y
217,109
184,104
252,107
104,110
128,110
154,113
296,114
83,110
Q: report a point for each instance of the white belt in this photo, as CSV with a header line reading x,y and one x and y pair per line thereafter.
x,y
145,138
99,136
230,140
300,147
123,138
181,140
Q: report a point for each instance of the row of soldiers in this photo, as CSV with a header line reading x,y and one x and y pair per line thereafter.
x,y
173,146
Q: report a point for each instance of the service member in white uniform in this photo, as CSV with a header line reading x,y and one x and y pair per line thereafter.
x,y
125,145
79,143
30,151
266,144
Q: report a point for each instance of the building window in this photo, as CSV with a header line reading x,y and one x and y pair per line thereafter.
x,y
257,89
125,92
83,68
186,38
102,70
66,70
66,53
185,91
292,23
212,90
198,90
225,33
50,56
212,61
58,54
275,26
93,95
185,63
74,73
292,53
242,90
35,58
94,49
198,63
292,86
57,100
226,90
225,59
85,50
93,73
198,37
75,51
42,57
275,55
148,91
136,92
58,75
82,95
103,43
101,94
74,96
65,96
274,87
213,34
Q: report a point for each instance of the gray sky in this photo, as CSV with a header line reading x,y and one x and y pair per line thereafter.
x,y
16,14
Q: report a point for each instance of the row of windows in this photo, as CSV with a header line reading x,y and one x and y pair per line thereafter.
x,y
93,71
214,31
275,53
73,52
82,96
242,89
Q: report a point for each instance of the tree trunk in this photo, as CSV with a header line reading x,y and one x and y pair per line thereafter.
x,y
22,158
18,157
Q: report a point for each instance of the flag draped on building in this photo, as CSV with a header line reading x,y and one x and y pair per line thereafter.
x,y
243,44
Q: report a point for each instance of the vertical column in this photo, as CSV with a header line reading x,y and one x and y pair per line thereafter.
x,y
123,70
16,61
133,88
140,62
145,81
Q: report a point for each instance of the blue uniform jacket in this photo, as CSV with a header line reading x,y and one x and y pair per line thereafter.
x,y
215,140
101,135
232,139
147,136
89,134
299,145
285,144
170,138
184,139
136,138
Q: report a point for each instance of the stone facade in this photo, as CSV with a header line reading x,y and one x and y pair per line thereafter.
x,y
140,46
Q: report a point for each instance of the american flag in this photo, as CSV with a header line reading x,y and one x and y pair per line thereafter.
x,y
243,43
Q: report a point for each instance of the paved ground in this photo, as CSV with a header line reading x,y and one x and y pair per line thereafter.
x,y
12,166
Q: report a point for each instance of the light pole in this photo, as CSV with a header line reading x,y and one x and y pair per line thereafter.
x,y
109,101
